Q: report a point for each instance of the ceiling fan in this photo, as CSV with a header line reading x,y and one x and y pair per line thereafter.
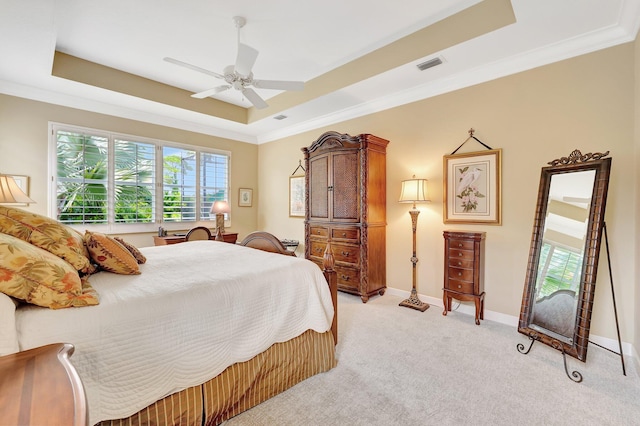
x,y
239,76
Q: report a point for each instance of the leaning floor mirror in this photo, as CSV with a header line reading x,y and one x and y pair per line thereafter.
x,y
564,252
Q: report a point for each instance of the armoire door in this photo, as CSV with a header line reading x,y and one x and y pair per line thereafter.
x,y
344,187
318,172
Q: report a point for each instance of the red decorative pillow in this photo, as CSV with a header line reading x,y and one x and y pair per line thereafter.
x,y
140,258
110,255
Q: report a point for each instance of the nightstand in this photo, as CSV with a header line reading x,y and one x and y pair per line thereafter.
x,y
41,387
291,245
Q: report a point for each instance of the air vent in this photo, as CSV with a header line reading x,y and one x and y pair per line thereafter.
x,y
429,64
280,117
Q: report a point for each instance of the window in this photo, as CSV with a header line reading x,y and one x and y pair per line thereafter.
x,y
107,180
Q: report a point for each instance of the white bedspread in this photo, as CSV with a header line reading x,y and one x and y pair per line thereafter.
x,y
197,308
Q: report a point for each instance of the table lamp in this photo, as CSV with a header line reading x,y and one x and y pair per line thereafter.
x,y
10,192
220,208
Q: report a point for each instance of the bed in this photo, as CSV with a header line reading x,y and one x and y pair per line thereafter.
x,y
204,331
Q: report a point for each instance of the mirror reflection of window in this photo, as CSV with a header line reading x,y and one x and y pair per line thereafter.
x,y
561,254
559,269
565,231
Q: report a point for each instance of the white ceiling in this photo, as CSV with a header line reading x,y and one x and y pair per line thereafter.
x,y
297,40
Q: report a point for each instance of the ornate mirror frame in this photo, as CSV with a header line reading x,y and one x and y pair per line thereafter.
x,y
576,345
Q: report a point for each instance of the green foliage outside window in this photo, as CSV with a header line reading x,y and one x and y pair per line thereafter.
x,y
558,269
83,193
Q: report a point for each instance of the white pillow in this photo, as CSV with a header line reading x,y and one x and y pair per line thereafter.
x,y
8,333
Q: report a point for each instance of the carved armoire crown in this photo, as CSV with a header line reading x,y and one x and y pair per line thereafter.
x,y
346,204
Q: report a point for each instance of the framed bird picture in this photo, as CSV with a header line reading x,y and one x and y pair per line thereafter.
x,y
472,188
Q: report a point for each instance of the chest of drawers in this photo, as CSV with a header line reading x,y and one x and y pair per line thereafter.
x,y
349,254
464,269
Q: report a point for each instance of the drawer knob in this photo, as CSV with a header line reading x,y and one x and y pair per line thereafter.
x,y
318,250
459,245
459,263
459,274
345,253
344,234
345,278
459,286
318,231
459,254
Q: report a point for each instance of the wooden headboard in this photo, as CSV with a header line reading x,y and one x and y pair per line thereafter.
x,y
265,241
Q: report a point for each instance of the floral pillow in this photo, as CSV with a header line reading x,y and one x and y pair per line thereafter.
x,y
48,234
39,277
110,255
140,258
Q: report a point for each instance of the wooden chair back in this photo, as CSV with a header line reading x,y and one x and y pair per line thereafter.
x,y
198,233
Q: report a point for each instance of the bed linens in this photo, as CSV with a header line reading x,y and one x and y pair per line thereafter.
x,y
195,309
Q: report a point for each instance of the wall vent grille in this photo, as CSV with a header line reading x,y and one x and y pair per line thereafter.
x,y
429,64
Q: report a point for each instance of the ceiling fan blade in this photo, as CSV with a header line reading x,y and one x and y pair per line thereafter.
x,y
207,93
254,98
193,67
279,84
246,58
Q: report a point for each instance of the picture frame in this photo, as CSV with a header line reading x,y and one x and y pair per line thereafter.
x,y
245,197
296,196
23,183
472,188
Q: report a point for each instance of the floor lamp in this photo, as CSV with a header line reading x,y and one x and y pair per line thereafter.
x,y
414,191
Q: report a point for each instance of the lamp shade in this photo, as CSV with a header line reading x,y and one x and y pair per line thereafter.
x,y
414,191
220,207
10,192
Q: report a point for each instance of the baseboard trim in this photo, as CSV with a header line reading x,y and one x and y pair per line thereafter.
x,y
468,308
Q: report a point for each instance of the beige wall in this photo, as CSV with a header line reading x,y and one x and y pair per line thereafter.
x,y
535,117
636,179
24,148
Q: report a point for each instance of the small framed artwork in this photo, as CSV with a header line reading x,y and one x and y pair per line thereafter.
x,y
472,188
245,197
23,184
296,196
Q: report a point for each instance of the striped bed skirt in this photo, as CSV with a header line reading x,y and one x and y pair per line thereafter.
x,y
242,385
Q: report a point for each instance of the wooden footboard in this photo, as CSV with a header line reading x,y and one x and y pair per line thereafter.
x,y
265,241
268,242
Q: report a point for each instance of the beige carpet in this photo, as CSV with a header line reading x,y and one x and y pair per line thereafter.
x,y
398,366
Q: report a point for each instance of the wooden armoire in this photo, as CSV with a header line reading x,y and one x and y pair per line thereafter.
x,y
346,204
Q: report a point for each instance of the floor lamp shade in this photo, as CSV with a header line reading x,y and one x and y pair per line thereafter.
x,y
10,192
219,208
414,191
